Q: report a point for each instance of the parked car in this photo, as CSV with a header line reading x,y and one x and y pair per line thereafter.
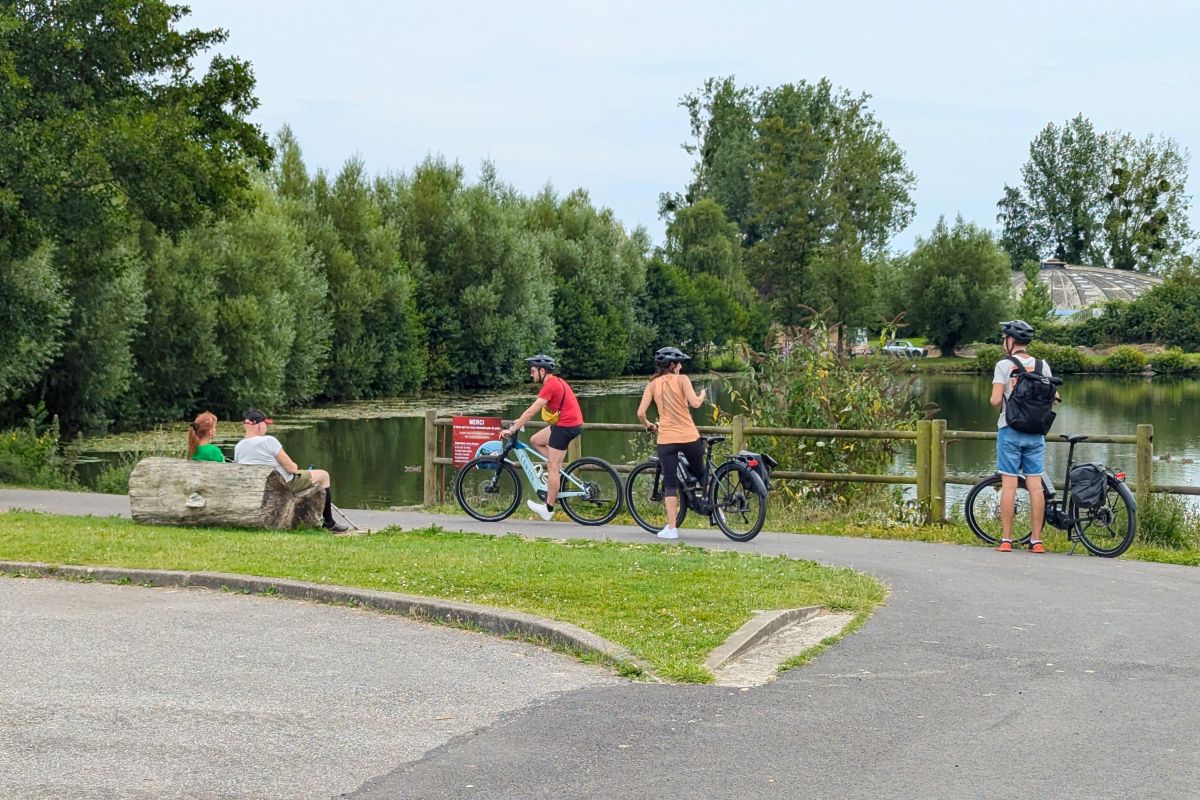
x,y
904,349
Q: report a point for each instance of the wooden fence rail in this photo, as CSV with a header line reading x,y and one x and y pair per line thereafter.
x,y
930,438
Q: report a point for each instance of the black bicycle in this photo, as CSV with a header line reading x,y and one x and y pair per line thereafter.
x,y
1105,524
733,496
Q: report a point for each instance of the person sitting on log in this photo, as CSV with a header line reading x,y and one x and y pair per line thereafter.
x,y
260,448
201,431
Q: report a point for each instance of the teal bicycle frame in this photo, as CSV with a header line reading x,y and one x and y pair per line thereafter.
x,y
525,455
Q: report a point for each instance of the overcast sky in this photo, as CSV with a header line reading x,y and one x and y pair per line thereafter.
x,y
586,95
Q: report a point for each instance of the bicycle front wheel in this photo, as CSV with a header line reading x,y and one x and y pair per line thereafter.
x,y
982,511
1108,529
486,489
644,496
738,508
601,487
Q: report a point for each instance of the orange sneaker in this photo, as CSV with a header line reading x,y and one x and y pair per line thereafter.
x,y
1036,547
1005,546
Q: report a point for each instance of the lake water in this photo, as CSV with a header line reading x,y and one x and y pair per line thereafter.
x,y
366,447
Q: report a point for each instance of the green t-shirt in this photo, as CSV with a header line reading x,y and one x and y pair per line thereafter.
x,y
208,452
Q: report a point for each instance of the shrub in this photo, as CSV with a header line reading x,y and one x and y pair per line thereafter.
x,y
1168,522
114,478
1063,360
1125,359
1171,362
808,388
987,355
30,456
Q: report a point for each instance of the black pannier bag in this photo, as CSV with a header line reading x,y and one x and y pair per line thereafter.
x,y
1089,485
1029,407
760,463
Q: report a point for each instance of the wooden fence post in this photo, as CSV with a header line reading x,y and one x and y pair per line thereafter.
x,y
924,438
1145,464
575,448
429,495
937,471
738,439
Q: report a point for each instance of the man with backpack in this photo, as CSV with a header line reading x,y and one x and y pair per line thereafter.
x,y
1024,391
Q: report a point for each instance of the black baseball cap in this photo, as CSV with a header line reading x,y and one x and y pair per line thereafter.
x,y
253,416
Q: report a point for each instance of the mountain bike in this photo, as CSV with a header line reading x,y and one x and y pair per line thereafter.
x,y
733,496
488,488
1105,530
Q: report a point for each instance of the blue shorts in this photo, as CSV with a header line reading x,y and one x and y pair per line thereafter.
x,y
1019,453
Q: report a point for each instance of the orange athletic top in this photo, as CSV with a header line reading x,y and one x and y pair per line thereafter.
x,y
675,424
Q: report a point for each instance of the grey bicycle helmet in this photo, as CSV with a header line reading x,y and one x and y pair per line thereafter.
x,y
669,355
1020,330
541,362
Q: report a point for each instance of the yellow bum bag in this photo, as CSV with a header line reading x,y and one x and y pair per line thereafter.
x,y
551,417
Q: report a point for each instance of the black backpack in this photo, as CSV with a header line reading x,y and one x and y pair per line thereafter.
x,y
1029,408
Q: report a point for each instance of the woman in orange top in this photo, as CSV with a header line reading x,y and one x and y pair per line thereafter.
x,y
674,398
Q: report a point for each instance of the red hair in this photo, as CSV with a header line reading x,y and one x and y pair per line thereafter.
x,y
200,430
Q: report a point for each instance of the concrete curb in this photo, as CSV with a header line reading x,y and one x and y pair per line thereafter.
x,y
758,628
500,622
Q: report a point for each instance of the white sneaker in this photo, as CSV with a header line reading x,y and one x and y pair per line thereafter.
x,y
540,509
668,533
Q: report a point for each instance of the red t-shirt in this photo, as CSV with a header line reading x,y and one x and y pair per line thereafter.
x,y
560,398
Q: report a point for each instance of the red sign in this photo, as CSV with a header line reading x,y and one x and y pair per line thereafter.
x,y
469,433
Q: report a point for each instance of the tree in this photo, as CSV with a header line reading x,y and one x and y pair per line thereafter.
x,y
107,130
599,271
33,310
485,284
1146,222
958,282
721,118
701,240
1035,305
1104,199
806,172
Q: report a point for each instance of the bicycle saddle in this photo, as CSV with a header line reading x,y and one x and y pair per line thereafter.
x,y
1072,437
713,439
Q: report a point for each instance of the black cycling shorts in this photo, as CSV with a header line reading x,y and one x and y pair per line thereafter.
x,y
560,437
668,458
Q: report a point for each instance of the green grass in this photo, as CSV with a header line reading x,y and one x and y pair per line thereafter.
x,y
798,518
670,605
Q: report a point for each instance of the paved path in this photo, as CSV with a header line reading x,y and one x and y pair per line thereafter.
x,y
986,675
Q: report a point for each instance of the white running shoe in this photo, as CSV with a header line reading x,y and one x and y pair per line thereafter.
x,y
540,509
668,533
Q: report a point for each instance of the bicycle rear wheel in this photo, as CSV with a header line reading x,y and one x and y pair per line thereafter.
x,y
738,509
602,485
644,496
1108,529
982,510
486,493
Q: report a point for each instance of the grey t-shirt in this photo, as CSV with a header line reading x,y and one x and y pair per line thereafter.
x,y
261,450
1003,374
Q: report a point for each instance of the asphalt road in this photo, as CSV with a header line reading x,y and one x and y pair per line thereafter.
x,y
985,675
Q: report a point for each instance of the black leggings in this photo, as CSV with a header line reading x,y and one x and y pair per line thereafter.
x,y
668,457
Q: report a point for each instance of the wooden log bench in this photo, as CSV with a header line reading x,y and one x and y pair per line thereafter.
x,y
175,491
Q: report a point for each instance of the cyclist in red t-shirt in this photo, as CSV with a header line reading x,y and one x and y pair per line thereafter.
x,y
557,404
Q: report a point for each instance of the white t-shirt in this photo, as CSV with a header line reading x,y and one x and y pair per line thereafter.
x,y
1003,372
261,450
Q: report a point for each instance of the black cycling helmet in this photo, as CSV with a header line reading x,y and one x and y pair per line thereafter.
x,y
541,362
669,355
1020,330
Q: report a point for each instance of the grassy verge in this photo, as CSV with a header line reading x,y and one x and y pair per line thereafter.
x,y
669,605
1182,546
